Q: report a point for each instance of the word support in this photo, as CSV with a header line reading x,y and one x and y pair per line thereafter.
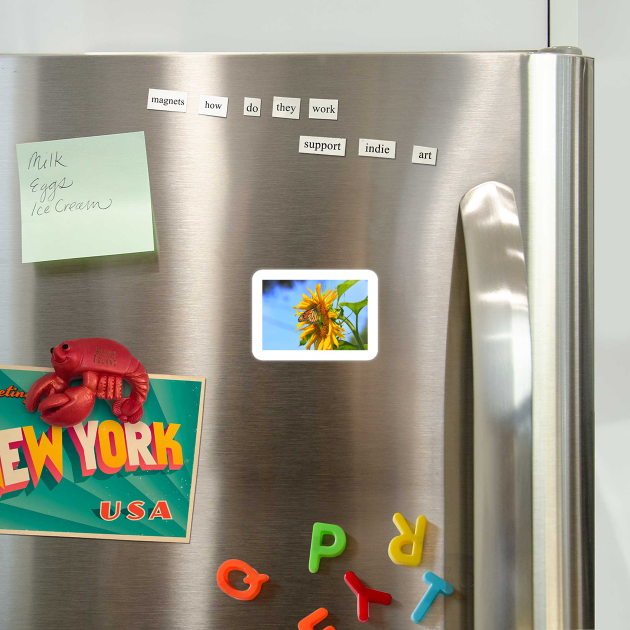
x,y
167,100
377,148
285,107
323,108
213,105
322,146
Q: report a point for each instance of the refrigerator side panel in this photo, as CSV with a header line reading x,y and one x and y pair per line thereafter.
x,y
559,254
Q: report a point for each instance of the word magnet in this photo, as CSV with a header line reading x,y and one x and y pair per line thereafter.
x,y
407,537
252,577
319,550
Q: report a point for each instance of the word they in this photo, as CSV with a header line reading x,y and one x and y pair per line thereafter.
x,y
285,107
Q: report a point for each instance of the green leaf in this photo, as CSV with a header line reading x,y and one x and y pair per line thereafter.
x,y
343,287
346,345
355,307
304,340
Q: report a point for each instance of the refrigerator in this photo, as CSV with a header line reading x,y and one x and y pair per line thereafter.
x,y
474,407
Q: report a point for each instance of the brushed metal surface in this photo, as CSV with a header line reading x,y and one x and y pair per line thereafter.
x,y
502,369
284,444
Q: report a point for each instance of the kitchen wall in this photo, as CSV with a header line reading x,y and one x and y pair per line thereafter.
x,y
273,25
603,28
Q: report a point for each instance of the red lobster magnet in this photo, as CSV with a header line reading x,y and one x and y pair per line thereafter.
x,y
102,364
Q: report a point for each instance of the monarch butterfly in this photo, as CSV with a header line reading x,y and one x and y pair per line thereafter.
x,y
311,316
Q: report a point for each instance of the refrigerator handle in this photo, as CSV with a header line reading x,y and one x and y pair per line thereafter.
x,y
502,374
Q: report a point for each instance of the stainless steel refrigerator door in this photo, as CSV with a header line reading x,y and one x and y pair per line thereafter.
x,y
284,444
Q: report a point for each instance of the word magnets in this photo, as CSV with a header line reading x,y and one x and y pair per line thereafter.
x,y
407,537
436,586
308,623
319,550
365,595
252,577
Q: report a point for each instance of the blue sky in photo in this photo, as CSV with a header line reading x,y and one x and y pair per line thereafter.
x,y
280,321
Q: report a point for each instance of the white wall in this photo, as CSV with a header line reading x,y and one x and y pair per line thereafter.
x,y
270,25
604,27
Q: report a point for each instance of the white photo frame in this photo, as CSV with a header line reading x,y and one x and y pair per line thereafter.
x,y
313,274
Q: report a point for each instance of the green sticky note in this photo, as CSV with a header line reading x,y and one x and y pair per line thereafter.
x,y
85,197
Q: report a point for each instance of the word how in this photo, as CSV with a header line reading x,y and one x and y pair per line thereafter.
x,y
136,511
252,577
107,446
213,105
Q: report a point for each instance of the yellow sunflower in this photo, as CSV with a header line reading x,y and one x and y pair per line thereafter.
x,y
326,331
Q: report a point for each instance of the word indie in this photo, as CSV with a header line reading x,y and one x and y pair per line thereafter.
x,y
108,447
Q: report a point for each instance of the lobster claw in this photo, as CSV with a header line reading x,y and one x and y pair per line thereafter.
x,y
68,408
128,410
43,386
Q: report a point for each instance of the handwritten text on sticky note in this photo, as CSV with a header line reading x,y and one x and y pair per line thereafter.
x,y
85,197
